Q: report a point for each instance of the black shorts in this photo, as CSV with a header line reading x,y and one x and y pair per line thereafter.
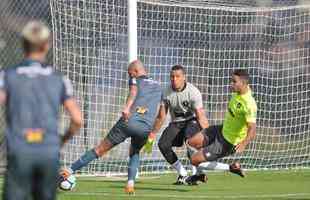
x,y
215,144
178,132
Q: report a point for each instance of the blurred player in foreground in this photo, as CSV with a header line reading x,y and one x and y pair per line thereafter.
x,y
32,93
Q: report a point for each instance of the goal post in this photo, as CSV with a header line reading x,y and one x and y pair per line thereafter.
x,y
96,40
132,30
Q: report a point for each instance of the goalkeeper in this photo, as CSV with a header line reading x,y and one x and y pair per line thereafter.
x,y
184,102
238,129
137,119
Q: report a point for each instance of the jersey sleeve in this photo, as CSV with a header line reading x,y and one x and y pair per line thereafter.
x,y
197,99
164,97
251,112
2,80
67,89
132,81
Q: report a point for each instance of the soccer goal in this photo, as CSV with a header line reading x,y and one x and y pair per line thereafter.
x,y
211,39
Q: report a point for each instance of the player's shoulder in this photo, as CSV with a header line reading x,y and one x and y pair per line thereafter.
x,y
250,101
148,79
192,88
11,68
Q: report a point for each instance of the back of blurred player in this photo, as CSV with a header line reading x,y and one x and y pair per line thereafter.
x,y
32,93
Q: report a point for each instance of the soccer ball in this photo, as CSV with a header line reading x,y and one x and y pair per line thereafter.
x,y
68,184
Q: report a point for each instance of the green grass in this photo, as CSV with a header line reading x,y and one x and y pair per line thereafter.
x,y
257,185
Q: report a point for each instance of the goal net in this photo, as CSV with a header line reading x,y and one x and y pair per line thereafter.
x,y
211,39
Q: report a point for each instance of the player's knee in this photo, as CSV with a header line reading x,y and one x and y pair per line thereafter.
x,y
194,142
133,151
103,147
194,161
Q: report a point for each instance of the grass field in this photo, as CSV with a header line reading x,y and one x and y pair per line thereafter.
x,y
257,185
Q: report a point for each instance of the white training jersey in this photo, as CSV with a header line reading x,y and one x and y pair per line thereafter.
x,y
182,104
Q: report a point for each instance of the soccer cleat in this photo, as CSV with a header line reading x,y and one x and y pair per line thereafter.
x,y
235,168
193,180
203,178
181,180
129,189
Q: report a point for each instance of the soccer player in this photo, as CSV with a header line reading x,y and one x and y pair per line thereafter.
x,y
32,93
184,102
137,119
236,132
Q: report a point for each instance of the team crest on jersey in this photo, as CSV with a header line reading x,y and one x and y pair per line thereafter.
x,y
167,102
238,105
141,110
185,104
34,135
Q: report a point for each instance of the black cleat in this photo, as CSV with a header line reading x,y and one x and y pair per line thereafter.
x,y
235,168
181,180
193,180
203,178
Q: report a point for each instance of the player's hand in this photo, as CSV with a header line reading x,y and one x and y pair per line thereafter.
x,y
126,114
240,147
149,143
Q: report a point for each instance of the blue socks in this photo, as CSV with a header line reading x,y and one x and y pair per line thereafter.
x,y
133,166
91,155
86,158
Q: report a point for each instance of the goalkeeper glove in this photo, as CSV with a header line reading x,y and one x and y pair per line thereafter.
x,y
149,143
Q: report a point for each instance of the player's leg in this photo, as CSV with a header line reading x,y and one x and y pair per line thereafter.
x,y
194,143
207,137
168,139
17,183
134,160
218,149
44,176
202,138
205,159
192,128
116,136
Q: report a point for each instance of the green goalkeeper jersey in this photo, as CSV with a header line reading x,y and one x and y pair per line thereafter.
x,y
242,109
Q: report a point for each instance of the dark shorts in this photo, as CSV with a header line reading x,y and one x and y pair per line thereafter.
x,y
31,175
215,144
122,130
178,132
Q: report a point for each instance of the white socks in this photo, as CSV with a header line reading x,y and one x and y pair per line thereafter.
x,y
213,166
194,170
179,167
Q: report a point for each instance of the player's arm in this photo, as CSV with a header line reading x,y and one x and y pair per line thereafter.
x,y
74,111
201,118
133,91
251,133
161,116
250,117
2,89
76,121
199,111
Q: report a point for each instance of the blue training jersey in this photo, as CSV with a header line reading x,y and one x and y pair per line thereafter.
x,y
34,94
145,107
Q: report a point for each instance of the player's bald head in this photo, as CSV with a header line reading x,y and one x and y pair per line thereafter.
x,y
136,68
136,64
35,36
